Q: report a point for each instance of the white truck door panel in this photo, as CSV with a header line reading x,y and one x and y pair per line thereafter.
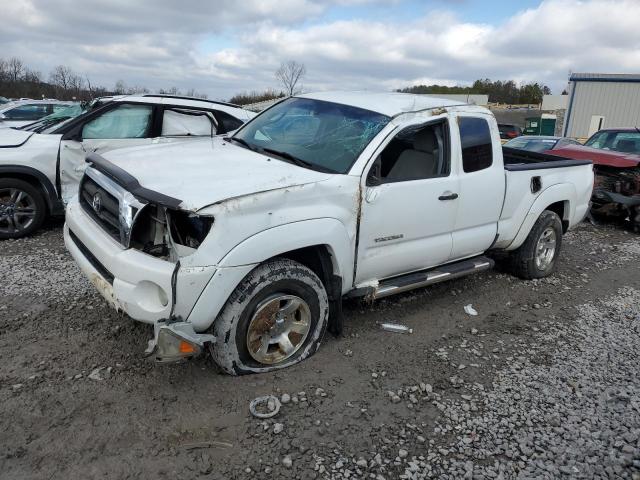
x,y
406,222
482,185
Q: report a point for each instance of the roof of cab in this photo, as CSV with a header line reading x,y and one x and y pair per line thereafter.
x,y
386,103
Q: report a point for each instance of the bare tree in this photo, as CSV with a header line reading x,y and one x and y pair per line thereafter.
x,y
32,76
60,77
4,69
15,69
289,74
120,88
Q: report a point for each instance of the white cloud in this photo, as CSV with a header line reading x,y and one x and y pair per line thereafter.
x,y
158,44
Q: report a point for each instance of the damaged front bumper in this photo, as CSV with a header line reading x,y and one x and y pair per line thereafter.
x,y
146,288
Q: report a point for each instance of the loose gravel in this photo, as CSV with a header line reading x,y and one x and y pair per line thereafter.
x,y
542,383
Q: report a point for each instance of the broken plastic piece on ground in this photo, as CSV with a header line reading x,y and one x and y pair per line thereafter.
x,y
268,403
396,328
207,444
469,310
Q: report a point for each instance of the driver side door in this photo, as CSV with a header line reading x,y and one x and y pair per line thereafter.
x,y
409,204
125,125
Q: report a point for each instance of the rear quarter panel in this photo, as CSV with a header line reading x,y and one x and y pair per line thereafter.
x,y
522,207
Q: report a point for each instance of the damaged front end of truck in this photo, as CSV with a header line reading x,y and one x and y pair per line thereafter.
x,y
616,194
151,223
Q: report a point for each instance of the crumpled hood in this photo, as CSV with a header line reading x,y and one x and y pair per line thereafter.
x,y
609,158
208,171
10,137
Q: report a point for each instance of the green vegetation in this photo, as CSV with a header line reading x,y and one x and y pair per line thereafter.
x,y
499,91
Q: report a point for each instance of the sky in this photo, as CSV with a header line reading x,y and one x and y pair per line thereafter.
x,y
223,47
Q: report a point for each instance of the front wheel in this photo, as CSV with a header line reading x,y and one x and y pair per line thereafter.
x,y
275,318
22,208
537,256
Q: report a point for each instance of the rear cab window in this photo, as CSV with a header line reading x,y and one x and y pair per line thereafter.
x,y
476,143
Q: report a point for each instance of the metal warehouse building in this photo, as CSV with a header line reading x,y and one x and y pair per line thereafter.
x,y
601,100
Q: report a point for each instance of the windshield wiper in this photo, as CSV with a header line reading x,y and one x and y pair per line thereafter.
x,y
241,142
297,161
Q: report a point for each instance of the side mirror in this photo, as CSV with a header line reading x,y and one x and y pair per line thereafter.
x,y
374,177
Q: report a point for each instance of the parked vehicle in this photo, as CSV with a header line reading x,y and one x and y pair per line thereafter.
x,y
624,140
4,100
509,131
40,171
616,164
534,143
23,112
247,244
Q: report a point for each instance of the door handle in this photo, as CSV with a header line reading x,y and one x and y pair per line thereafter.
x,y
448,196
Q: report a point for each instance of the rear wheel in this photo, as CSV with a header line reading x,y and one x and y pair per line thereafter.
x,y
22,208
537,256
275,318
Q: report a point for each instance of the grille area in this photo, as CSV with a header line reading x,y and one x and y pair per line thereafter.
x,y
100,205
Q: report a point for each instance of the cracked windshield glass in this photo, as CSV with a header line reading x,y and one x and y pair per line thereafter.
x,y
314,134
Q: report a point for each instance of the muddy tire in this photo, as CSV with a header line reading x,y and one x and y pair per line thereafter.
x,y
537,256
275,318
22,208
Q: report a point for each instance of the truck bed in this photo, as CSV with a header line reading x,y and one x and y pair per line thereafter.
x,y
528,175
518,160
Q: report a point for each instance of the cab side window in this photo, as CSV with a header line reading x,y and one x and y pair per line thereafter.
x,y
416,153
475,137
124,121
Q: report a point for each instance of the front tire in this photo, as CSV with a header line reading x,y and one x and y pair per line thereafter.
x,y
537,256
275,318
22,208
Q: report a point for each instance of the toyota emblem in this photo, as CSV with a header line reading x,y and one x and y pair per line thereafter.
x,y
96,203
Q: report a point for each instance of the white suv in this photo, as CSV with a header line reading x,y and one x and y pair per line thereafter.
x,y
39,172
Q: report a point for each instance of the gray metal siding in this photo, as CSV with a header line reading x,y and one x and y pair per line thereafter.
x,y
618,102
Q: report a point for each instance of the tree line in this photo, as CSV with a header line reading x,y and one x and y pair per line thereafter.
x,y
17,80
499,91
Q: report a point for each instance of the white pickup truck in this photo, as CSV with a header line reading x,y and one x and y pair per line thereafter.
x,y
246,245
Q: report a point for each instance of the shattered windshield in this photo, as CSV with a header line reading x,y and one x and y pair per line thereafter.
x,y
314,134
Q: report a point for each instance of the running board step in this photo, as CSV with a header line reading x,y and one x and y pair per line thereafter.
x,y
429,277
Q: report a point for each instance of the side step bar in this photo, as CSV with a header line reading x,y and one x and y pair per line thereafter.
x,y
429,277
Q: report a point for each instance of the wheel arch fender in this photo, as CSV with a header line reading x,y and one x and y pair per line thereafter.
x,y
562,193
328,232
37,178
267,244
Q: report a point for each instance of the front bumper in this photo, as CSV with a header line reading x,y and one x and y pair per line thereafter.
x,y
131,281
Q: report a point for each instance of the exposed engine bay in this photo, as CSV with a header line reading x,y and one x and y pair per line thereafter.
x,y
616,194
168,234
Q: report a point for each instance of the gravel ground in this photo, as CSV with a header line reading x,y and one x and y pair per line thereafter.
x,y
542,383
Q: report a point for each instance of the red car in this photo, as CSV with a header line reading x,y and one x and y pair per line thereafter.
x,y
615,154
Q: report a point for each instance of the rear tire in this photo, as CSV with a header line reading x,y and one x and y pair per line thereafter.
x,y
275,318
22,208
537,256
